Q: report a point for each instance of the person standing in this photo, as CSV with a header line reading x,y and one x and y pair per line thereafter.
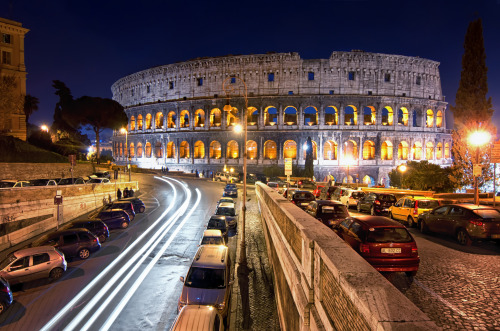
x,y
125,193
131,192
119,194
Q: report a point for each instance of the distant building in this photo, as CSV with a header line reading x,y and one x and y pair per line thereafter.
x,y
13,121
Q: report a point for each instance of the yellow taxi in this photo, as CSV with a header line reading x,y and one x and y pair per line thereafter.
x,y
409,207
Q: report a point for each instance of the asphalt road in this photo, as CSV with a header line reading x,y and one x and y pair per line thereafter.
x,y
133,281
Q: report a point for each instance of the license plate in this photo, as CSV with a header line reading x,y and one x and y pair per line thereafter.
x,y
304,203
495,236
391,250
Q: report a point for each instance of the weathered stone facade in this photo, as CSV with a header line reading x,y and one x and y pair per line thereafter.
x,y
371,111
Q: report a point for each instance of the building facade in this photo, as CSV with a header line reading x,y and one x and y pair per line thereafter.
x,y
12,119
366,113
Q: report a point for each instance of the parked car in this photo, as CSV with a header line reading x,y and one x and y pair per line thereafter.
x,y
350,197
306,183
328,212
465,222
212,237
288,192
97,227
208,281
385,244
127,206
5,295
218,222
230,191
225,199
102,174
33,263
227,209
317,190
43,182
326,192
274,185
98,181
72,242
408,208
338,192
225,177
114,218
376,203
139,206
302,198
206,318
71,181
14,183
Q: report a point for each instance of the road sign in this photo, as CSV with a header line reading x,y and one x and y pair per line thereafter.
x,y
288,166
495,153
72,159
476,170
58,200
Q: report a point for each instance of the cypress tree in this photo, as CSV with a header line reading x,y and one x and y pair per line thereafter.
x,y
309,164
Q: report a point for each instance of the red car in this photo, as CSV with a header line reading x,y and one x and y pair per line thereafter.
x,y
317,191
385,244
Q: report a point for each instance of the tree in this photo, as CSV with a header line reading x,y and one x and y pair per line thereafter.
x,y
11,101
309,164
30,105
63,125
422,176
472,110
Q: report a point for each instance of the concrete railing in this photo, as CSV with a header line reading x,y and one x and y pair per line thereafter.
x,y
29,211
321,283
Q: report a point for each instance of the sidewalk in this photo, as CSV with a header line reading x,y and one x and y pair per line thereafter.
x,y
253,306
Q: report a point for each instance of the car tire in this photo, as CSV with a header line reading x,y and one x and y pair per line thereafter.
x,y
124,225
372,211
411,222
84,253
56,273
142,209
102,238
3,307
358,207
423,227
463,238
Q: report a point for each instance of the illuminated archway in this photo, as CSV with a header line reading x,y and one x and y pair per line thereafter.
x,y
158,149
290,115
403,150
330,150
132,150
170,150
232,117
132,123
159,120
215,150
439,119
446,151
251,150
403,116
386,150
290,149
199,150
184,150
171,119
199,118
139,150
331,115
387,116
369,115
215,117
252,116
148,149
232,150
368,150
439,151
417,150
429,118
139,122
184,119
310,116
270,116
270,150
148,121
368,180
350,150
314,150
350,115
429,151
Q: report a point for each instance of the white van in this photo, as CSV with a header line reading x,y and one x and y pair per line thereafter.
x,y
212,237
200,318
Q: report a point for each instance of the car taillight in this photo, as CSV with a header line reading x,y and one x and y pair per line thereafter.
x,y
364,249
476,222
376,202
414,250
293,202
415,211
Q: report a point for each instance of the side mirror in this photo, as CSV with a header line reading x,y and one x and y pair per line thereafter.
x,y
182,279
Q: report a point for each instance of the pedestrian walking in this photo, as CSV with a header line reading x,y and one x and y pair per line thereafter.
x,y
125,193
109,198
131,192
119,194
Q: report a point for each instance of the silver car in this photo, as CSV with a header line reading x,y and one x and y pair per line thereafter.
x,y
33,263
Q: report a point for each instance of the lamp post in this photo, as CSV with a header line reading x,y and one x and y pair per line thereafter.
x,y
229,89
123,130
44,128
402,169
478,139
349,161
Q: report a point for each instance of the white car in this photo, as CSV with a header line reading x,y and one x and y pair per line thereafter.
x,y
350,197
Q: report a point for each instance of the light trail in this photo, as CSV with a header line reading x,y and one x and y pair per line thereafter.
x,y
69,306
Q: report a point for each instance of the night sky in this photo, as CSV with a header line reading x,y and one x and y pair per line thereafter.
x,y
90,44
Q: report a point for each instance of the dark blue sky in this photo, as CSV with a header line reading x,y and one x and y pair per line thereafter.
x,y
90,44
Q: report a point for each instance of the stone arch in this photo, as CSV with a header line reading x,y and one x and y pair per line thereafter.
x,y
368,180
417,150
416,118
215,117
314,147
331,116
429,151
368,150
139,150
439,151
330,150
369,115
121,149
270,116
310,116
386,150
148,121
290,149
148,149
158,149
429,118
290,115
215,150
232,117
350,150
252,116
170,150
132,150
132,123
350,115
232,150
446,151
403,116
251,150
439,119
199,118
270,150
139,122
184,150
184,119
403,150
387,116
199,150
159,120
171,119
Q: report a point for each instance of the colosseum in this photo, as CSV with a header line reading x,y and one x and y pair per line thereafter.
x,y
366,113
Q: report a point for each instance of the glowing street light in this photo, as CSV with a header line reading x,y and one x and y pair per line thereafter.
x,y
44,128
402,169
478,139
238,128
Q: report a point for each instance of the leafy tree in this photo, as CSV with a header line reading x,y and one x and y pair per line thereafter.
x,y
473,110
422,176
11,101
309,164
30,105
63,125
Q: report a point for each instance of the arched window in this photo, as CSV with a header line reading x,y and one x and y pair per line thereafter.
x,y
139,150
251,150
368,150
158,150
446,151
184,150
331,115
132,150
439,119
386,150
170,150
148,122
215,150
139,122
387,116
270,116
350,150
314,149
232,117
159,120
403,116
369,115
368,180
232,150
199,150
253,116
403,150
350,115
148,149
270,150
429,151
171,119
330,150
290,149
215,117
439,151
132,123
290,115
184,119
121,149
310,116
199,118
417,150
429,119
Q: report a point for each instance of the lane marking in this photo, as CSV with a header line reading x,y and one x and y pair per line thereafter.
x,y
444,301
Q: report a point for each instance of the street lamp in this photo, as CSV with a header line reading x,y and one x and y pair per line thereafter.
x,y
124,131
229,89
44,128
402,169
478,139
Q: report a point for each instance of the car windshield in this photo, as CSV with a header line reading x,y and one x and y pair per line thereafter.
x,y
386,235
303,196
488,213
335,210
212,241
205,278
11,258
226,200
387,198
428,204
216,224
225,211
